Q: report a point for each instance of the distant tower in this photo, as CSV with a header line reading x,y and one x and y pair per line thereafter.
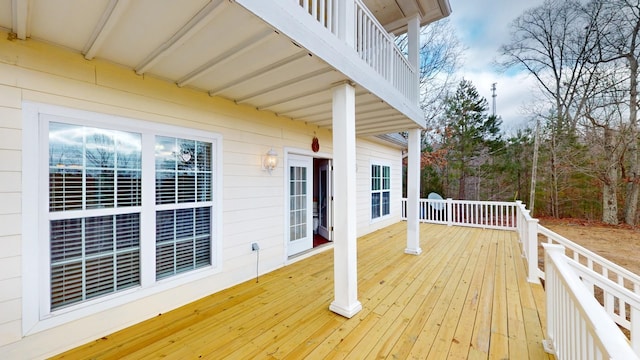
x,y
493,95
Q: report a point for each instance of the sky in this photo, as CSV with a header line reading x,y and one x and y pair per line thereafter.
x,y
482,26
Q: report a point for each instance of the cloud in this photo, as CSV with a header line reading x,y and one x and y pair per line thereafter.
x,y
483,26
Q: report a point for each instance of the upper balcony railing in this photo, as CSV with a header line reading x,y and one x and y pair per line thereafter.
x,y
373,44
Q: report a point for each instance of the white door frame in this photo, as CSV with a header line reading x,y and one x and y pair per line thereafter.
x,y
289,152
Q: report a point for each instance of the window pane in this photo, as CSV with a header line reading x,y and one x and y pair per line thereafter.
x,y
65,189
386,178
186,187
184,223
204,156
100,148
98,235
66,145
165,187
375,205
66,284
99,276
386,203
93,256
165,153
183,171
164,260
127,231
128,265
184,256
129,150
66,240
82,167
204,186
99,187
203,221
183,240
165,226
186,158
203,251
129,188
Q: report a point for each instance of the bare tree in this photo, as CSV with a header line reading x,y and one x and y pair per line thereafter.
x,y
604,134
553,42
440,57
618,28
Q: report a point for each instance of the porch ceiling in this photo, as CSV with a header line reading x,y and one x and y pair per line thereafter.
x,y
213,46
393,15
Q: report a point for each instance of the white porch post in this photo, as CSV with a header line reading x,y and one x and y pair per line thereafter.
x,y
413,194
413,37
344,173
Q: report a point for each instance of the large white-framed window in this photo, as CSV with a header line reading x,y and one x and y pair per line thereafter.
x,y
380,190
126,208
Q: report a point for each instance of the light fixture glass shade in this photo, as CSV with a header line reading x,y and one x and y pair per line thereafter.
x,y
270,161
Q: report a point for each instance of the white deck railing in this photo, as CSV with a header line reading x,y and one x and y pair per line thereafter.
x,y
485,214
617,288
576,325
374,45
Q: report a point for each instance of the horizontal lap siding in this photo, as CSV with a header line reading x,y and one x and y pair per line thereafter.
x,y
368,152
252,200
10,212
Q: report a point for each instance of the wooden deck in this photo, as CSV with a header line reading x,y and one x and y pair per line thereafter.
x,y
465,296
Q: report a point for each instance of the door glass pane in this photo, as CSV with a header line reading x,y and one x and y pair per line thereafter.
x,y
298,201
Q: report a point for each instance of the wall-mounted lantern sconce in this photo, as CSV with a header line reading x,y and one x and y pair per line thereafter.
x,y
270,161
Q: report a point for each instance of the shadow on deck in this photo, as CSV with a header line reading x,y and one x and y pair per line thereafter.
x,y
465,296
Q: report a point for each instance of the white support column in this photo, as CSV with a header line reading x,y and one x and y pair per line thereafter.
x,y
413,194
413,43
344,174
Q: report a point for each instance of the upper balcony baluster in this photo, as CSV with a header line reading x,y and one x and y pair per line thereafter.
x,y
372,42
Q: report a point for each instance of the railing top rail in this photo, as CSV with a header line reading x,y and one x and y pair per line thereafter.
x,y
479,202
589,254
614,288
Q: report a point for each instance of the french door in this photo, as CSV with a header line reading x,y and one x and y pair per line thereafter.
x,y
300,188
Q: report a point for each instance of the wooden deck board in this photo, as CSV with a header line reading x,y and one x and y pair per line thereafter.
x,y
465,296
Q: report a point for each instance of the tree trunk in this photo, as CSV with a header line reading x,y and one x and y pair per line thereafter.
x,y
555,211
610,180
633,180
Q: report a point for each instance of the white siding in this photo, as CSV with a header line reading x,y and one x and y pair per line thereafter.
x,y
10,213
252,200
367,152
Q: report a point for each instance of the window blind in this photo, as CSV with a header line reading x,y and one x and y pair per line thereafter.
x,y
90,170
183,193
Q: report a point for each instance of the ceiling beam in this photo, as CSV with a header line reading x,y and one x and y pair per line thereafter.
x,y
327,101
285,83
262,71
383,129
192,27
313,92
291,114
226,56
106,24
20,18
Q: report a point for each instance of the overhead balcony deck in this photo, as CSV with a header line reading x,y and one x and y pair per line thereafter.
x,y
282,56
466,296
